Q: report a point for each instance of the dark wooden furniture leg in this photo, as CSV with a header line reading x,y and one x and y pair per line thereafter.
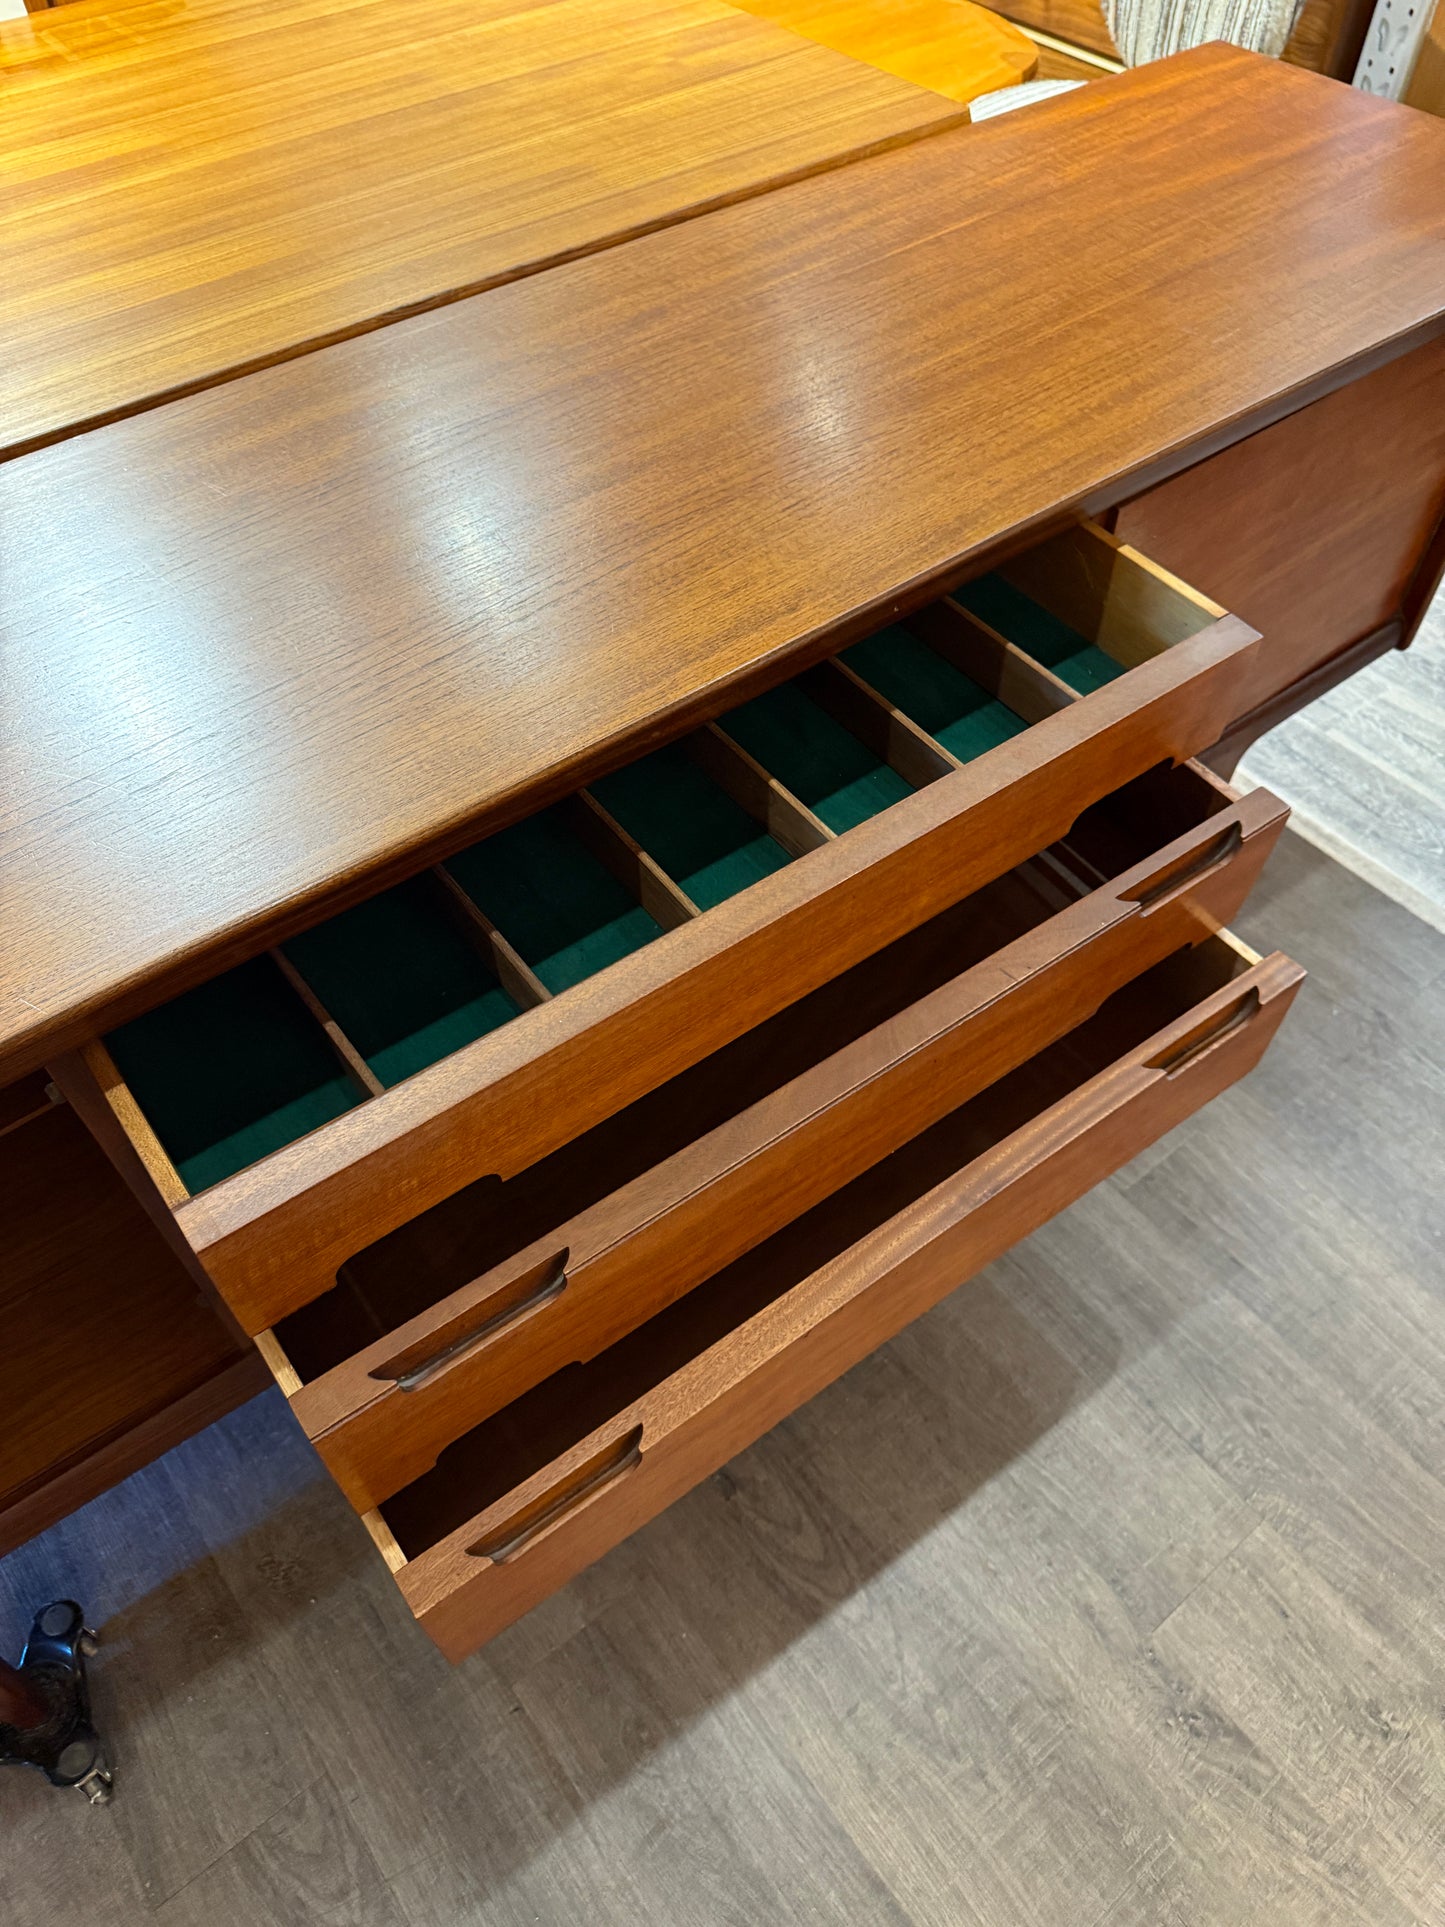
x,y
45,1704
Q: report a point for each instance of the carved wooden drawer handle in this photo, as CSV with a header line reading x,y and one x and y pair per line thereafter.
x,y
500,1309
1217,852
1179,1056
580,1486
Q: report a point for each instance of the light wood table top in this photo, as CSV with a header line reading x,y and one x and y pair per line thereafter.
x,y
949,46
291,636
190,188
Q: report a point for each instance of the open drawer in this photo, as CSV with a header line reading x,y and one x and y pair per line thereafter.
x,y
483,1014
461,1311
526,1499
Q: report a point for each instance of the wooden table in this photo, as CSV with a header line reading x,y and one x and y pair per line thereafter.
x,y
191,190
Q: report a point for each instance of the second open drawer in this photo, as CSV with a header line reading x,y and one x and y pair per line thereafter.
x,y
467,1307
478,1017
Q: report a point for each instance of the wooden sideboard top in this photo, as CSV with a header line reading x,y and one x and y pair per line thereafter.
x,y
190,188
282,639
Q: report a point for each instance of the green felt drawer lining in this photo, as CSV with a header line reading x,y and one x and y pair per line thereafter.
x,y
1041,635
231,1071
955,710
401,980
707,843
821,762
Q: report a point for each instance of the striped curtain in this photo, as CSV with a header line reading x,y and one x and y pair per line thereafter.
x,y
1150,29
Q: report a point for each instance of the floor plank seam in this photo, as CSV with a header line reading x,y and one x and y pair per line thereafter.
x,y
295,1793
1223,1560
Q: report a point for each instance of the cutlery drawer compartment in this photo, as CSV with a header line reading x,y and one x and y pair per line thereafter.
x,y
471,1021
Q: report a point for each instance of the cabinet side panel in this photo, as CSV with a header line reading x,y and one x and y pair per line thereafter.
x,y
1313,529
110,1356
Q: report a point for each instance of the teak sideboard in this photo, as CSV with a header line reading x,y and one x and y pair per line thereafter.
x,y
588,855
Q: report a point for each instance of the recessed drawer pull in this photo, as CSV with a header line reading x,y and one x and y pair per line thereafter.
x,y
1180,1055
530,1522
536,1287
1162,889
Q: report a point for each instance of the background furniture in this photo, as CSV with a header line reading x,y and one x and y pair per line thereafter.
x,y
190,192
1403,57
45,1717
1327,34
950,46
554,534
1426,86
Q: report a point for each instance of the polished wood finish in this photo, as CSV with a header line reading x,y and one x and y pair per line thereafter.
x,y
466,618
685,1217
110,1356
189,192
274,1235
63,1487
1111,592
952,47
484,1573
1313,530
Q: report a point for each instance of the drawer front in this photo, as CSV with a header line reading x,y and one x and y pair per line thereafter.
x,y
380,1418
1125,668
516,1551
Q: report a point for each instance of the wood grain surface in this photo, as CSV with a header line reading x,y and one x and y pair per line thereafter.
x,y
949,46
187,191
293,636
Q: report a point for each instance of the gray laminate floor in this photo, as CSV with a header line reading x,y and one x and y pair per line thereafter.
x,y
1110,1593
1363,769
